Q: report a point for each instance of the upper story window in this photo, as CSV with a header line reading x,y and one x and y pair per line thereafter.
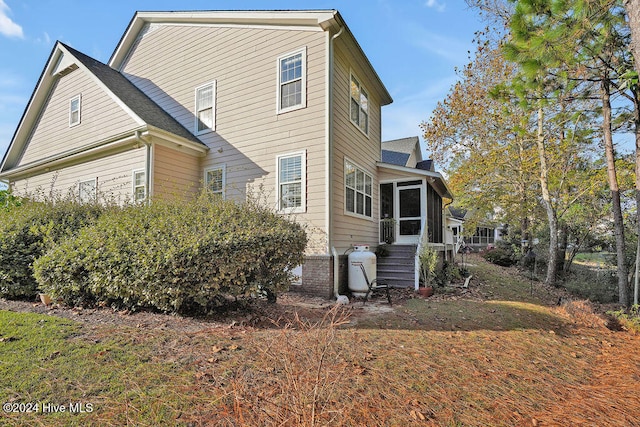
x,y
358,190
87,190
359,105
292,85
206,108
292,187
215,179
139,186
74,110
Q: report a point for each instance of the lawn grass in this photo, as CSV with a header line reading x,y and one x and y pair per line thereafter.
x,y
505,360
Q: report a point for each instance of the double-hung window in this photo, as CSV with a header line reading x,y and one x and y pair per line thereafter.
x,y
359,105
215,179
292,85
206,108
291,176
139,186
74,110
87,191
358,190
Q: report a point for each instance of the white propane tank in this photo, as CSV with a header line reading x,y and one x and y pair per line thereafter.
x,y
361,256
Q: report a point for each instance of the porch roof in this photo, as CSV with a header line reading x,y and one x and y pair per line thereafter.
x,y
436,180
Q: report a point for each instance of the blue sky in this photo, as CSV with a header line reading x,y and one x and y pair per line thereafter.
x,y
414,45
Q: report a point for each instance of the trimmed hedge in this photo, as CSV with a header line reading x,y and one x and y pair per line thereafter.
x,y
27,230
175,256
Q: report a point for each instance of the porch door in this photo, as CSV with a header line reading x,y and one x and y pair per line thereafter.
x,y
409,209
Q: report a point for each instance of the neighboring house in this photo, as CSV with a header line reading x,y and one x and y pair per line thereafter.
x,y
486,234
455,229
279,104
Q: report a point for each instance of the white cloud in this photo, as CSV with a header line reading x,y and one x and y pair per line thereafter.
x,y
435,4
7,26
449,48
45,39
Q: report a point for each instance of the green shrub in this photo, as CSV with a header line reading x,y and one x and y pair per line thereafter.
x,y
27,230
500,256
630,318
175,256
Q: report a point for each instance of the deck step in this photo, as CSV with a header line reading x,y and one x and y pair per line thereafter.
x,y
398,267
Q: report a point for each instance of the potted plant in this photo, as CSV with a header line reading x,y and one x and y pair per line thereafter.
x,y
428,262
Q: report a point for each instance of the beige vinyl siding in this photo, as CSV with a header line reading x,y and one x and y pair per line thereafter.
x,y
114,173
170,61
361,150
101,118
175,174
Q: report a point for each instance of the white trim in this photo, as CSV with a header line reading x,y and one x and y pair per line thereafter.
x,y
79,99
344,185
134,186
303,182
352,76
222,167
303,85
94,181
213,108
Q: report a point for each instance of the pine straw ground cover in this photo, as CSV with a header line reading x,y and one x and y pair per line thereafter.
x,y
494,355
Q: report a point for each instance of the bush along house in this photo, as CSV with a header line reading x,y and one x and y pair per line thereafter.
x,y
283,104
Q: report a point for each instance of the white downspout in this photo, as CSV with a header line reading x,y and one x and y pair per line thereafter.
x,y
147,163
329,163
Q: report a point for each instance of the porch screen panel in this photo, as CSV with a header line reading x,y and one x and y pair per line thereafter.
x,y
434,215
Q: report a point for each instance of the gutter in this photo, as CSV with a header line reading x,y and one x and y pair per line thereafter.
x,y
329,161
69,156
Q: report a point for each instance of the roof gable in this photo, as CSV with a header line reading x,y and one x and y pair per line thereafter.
x,y
63,60
302,20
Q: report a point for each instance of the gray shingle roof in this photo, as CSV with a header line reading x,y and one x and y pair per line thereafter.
x,y
403,145
150,112
395,158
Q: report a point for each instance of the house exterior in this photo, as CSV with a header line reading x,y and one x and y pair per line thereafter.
x,y
279,105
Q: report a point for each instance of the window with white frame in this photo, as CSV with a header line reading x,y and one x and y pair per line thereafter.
x,y
358,190
74,110
292,84
139,186
206,108
215,179
359,105
291,176
87,190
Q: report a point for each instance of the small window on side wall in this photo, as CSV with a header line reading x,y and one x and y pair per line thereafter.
x,y
215,180
292,187
292,81
205,108
359,105
74,110
87,190
139,186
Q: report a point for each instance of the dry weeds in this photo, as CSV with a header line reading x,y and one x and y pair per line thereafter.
x,y
496,360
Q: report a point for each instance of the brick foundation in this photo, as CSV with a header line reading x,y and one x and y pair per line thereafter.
x,y
317,277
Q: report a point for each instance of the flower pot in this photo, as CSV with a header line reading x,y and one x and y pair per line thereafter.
x,y
46,299
426,291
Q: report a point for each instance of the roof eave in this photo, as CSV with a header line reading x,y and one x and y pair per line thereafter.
x,y
28,115
288,18
443,189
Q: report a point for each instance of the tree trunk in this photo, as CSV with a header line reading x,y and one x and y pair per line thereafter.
x,y
572,254
633,11
552,264
623,294
563,239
